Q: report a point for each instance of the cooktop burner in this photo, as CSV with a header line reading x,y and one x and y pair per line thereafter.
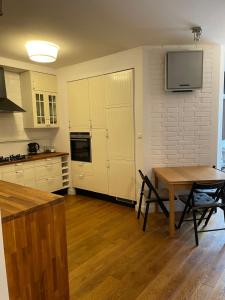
x,y
12,158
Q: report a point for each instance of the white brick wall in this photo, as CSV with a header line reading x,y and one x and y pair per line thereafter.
x,y
178,126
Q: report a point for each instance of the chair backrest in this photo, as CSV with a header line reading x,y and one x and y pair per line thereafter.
x,y
218,189
146,182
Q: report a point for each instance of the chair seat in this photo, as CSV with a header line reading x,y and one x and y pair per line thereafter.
x,y
207,191
202,200
163,194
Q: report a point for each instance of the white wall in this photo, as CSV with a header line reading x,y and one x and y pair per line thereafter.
x,y
180,128
13,137
108,64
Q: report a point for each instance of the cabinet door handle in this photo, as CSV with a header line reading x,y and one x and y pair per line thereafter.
x,y
19,172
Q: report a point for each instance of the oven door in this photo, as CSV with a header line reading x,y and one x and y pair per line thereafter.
x,y
80,146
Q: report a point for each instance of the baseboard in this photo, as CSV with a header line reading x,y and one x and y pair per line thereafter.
x,y
105,197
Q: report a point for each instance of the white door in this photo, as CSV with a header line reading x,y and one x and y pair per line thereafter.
x,y
99,160
119,89
97,102
122,179
78,105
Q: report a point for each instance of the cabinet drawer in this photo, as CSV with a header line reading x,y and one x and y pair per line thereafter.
x,y
83,181
48,171
48,161
82,168
14,177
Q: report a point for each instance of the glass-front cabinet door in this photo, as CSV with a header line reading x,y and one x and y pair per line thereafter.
x,y
40,109
45,109
52,109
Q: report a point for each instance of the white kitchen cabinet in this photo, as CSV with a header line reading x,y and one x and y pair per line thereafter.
x,y
104,106
100,160
97,102
120,123
119,89
50,174
78,102
39,98
122,179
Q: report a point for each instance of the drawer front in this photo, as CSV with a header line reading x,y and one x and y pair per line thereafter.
x,y
29,177
82,168
8,168
42,185
48,170
54,184
83,181
48,161
14,177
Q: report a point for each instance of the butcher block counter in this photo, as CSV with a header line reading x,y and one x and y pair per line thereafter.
x,y
34,237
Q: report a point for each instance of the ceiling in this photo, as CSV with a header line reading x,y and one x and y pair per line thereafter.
x,y
87,29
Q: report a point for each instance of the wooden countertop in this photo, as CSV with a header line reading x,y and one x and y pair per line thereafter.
x,y
36,157
16,200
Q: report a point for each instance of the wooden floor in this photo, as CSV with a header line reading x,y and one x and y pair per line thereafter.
x,y
111,258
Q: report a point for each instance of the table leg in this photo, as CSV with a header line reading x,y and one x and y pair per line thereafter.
x,y
156,186
172,211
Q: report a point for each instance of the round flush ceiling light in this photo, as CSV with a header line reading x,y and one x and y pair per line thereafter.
x,y
42,51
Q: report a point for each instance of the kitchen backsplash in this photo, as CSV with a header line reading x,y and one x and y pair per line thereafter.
x,y
13,137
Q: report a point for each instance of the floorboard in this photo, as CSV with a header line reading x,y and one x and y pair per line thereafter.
x,y
111,258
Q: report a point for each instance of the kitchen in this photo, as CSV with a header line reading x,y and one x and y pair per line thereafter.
x,y
91,121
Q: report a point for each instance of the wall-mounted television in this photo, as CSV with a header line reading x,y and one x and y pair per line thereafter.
x,y
184,70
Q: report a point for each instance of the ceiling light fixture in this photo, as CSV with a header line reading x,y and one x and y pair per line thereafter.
x,y
42,51
197,31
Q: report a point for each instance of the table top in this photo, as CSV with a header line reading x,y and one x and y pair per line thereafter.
x,y
188,175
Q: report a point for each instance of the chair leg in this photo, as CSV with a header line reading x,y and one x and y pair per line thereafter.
x,y
146,216
139,207
195,226
208,217
202,216
183,215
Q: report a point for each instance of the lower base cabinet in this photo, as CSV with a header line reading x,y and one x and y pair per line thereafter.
x,y
50,174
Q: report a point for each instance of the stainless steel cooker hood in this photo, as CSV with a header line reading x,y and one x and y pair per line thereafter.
x,y
6,105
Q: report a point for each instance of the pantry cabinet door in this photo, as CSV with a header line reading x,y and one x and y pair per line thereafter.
x,y
100,160
120,133
122,179
78,105
97,102
119,89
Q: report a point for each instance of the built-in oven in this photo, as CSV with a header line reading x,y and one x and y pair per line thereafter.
x,y
80,146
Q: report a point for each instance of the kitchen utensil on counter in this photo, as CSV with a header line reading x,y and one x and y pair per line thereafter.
x,y
33,148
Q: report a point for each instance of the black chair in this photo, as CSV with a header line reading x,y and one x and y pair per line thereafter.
x,y
204,203
146,183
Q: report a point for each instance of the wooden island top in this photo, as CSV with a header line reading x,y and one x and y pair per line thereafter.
x,y
16,200
35,246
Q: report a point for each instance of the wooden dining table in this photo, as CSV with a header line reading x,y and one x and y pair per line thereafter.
x,y
176,179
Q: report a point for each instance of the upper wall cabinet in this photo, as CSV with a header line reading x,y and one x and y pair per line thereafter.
x,y
39,97
119,89
79,108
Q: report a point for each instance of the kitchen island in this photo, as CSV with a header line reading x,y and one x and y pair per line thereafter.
x,y
34,237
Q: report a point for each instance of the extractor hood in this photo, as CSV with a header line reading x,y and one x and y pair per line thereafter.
x,y
6,105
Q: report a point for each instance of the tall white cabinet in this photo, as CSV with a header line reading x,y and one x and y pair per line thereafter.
x,y
103,106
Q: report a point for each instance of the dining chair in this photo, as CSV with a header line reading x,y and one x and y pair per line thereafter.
x,y
199,200
150,195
